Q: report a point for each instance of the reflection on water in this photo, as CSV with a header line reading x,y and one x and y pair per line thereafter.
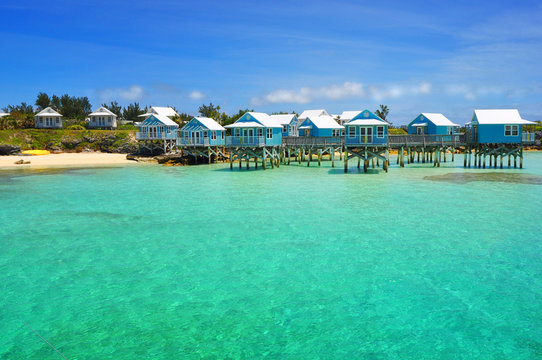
x,y
463,178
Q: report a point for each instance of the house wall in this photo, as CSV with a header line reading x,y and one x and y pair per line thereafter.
x,y
315,131
48,122
107,121
195,126
375,139
494,133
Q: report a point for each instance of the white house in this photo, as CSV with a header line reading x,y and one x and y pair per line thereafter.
x,y
48,119
289,123
102,118
160,110
346,116
312,114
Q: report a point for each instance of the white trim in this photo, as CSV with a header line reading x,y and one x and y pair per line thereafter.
x,y
383,135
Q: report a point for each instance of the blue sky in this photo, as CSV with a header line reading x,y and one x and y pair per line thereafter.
x,y
415,56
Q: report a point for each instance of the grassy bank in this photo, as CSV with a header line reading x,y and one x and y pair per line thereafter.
x,y
70,140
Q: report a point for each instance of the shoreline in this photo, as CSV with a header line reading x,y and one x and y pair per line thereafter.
x,y
63,160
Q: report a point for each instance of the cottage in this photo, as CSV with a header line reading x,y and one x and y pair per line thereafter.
x,y
346,116
288,122
255,129
366,128
321,126
160,110
157,127
432,124
312,113
48,119
504,126
102,118
202,131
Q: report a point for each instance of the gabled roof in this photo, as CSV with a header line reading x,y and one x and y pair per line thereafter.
x,y
438,119
325,122
260,118
245,124
500,116
283,119
308,113
161,110
48,111
349,115
367,117
157,119
102,111
209,123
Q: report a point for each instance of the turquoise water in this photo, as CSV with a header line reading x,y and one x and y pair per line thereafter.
x,y
152,262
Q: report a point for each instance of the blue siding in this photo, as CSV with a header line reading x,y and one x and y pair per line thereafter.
x,y
315,131
195,126
374,140
494,133
276,132
430,129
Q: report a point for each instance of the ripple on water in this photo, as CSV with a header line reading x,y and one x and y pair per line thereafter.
x,y
463,178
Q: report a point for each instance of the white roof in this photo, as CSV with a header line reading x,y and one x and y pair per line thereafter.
x,y
264,119
102,111
501,116
325,122
48,111
247,124
162,110
209,123
349,115
312,113
165,120
368,122
282,119
419,125
439,119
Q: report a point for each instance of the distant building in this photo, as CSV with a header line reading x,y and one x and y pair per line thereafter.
x,y
48,119
288,122
159,110
503,126
202,131
312,113
346,116
321,126
102,118
432,124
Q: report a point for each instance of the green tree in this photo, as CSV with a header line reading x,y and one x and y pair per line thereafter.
x,y
114,107
382,112
21,117
213,112
182,118
132,111
42,101
235,117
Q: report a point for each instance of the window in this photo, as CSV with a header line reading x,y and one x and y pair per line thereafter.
x,y
380,132
260,132
222,134
284,128
205,134
269,133
515,131
186,135
508,130
336,132
213,135
237,132
351,131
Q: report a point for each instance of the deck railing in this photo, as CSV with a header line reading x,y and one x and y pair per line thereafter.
x,y
312,141
245,141
527,137
193,142
408,140
159,136
364,140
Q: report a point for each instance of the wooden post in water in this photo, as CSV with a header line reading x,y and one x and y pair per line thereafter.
x,y
453,154
264,159
521,157
320,157
256,163
209,153
231,159
373,163
240,160
332,156
345,159
366,166
423,155
464,158
309,158
359,160
402,157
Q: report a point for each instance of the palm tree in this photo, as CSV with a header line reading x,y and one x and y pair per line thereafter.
x,y
382,112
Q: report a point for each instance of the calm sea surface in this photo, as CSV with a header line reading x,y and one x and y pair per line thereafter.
x,y
152,262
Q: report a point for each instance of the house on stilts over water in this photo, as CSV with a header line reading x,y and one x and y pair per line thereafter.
x,y
157,133
202,137
254,136
497,134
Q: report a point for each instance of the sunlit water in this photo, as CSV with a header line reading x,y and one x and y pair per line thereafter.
x,y
293,263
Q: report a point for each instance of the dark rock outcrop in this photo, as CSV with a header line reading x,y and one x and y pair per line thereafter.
x,y
6,149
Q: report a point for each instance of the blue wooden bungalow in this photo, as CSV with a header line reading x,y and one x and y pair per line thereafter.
x,y
321,126
202,131
288,122
157,127
366,129
503,126
254,129
432,124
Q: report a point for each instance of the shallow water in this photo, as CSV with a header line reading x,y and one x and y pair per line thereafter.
x,y
291,263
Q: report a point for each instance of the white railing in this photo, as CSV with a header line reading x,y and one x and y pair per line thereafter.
x,y
159,136
527,137
245,141
193,142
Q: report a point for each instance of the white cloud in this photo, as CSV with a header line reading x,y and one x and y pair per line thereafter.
x,y
132,93
472,93
196,95
346,90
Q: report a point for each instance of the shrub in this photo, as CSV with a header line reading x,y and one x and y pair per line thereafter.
x,y
75,127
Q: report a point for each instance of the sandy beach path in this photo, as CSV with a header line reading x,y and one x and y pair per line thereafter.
x,y
65,160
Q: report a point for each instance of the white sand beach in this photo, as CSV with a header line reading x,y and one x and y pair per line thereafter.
x,y
86,159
